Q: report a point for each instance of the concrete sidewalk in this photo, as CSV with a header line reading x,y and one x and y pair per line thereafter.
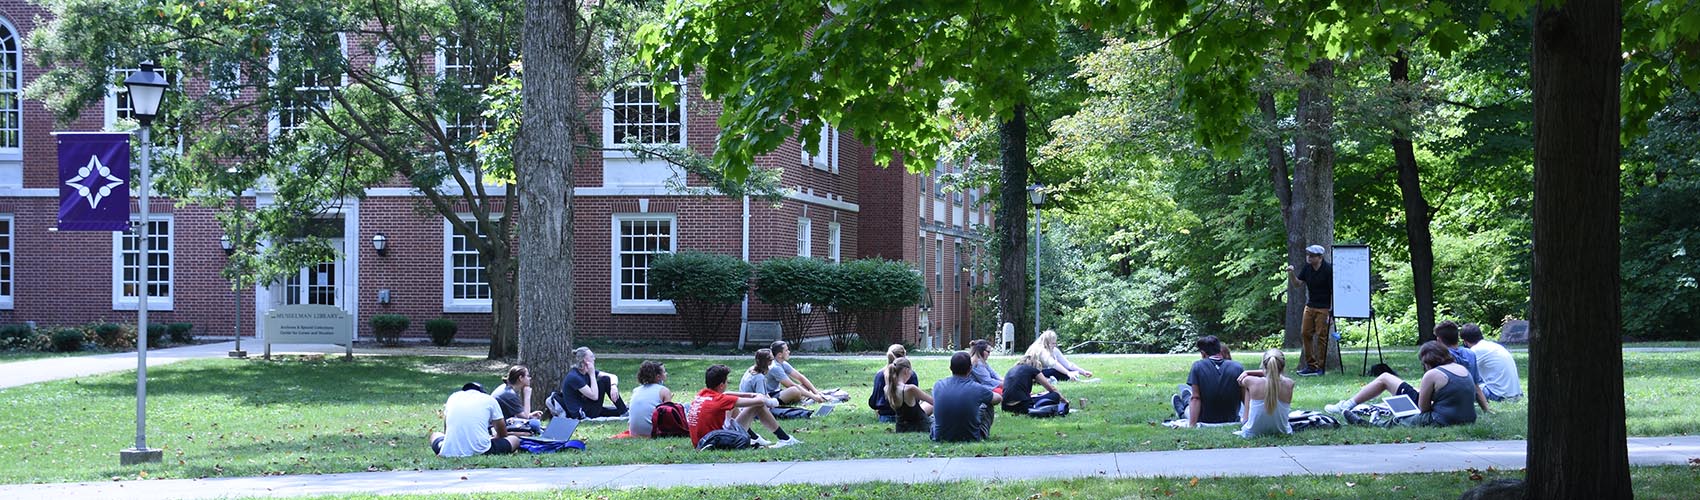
x,y
1270,461
49,369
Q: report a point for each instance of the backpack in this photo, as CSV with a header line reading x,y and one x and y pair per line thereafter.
x,y
1301,420
785,412
724,439
1048,408
669,421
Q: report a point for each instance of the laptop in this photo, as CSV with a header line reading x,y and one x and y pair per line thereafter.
x,y
1402,406
560,429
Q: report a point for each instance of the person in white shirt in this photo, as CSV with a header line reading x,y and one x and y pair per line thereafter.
x,y
1498,369
468,417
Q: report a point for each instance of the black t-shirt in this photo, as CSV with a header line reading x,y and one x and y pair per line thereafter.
x,y
1218,389
1319,283
876,399
571,399
1018,385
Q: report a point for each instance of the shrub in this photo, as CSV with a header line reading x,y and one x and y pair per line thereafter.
x,y
181,333
156,333
790,283
14,336
108,334
704,288
68,340
388,327
442,331
873,290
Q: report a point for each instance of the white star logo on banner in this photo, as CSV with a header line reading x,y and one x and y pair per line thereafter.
x,y
88,181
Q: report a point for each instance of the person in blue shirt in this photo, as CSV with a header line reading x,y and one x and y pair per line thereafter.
x,y
1447,333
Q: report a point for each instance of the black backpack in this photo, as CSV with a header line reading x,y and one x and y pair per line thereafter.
x,y
1048,408
724,439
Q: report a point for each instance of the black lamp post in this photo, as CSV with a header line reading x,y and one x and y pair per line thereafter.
x,y
146,88
1036,195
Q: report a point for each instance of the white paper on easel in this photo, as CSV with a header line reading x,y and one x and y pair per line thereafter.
x,y
1351,281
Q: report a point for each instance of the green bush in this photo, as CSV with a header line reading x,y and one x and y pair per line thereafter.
x,y
157,333
788,284
442,331
16,336
181,333
108,334
68,339
704,288
867,293
388,327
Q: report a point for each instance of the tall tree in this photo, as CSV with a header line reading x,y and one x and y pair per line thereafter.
x,y
1577,439
1417,215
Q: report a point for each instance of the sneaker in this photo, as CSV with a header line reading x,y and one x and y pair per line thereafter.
x,y
785,442
1181,400
824,410
1344,406
1309,372
761,442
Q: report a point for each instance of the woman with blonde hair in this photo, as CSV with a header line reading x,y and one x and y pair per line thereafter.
x,y
1055,365
877,400
1268,397
912,406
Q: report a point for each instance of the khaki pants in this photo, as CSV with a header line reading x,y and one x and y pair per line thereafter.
x,y
1313,331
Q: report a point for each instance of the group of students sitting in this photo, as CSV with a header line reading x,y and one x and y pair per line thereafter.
x,y
1221,392
961,407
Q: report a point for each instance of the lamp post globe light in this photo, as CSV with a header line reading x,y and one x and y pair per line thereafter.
x,y
1036,195
146,88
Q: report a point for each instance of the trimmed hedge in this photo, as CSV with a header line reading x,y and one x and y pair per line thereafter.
x,y
108,334
388,327
68,340
157,333
704,287
181,333
442,331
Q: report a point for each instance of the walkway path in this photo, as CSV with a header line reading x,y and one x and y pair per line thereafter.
x,y
1270,461
48,369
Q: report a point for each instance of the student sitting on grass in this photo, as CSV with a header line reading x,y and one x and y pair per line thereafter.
x,y
1018,386
1447,333
468,417
648,395
982,373
1268,397
717,409
515,397
1494,363
877,398
755,379
963,410
913,407
585,388
1444,398
1056,366
1212,394
793,386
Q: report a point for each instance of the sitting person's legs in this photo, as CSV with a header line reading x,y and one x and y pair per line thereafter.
x,y
1384,383
503,445
1056,374
790,395
436,441
749,415
607,389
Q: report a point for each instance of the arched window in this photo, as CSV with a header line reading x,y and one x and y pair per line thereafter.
x,y
11,93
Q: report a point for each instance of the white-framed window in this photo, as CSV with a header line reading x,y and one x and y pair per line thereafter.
x,y
127,266
457,64
6,277
311,88
956,267
638,239
466,281
827,157
938,265
633,113
835,241
805,238
11,106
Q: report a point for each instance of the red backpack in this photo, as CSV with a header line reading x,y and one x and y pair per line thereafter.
x,y
669,421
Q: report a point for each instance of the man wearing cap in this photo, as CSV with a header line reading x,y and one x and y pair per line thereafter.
x,y
468,417
1318,279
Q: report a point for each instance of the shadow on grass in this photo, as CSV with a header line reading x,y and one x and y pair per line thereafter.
x,y
378,381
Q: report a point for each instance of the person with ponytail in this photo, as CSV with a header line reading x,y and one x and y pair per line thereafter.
x,y
982,373
876,398
1268,397
913,407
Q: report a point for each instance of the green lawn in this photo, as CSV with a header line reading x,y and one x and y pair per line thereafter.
x,y
223,417
1670,482
11,356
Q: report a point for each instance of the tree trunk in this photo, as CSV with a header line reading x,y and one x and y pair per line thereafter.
x,y
504,309
544,171
1416,207
1280,179
1012,226
1315,177
1577,443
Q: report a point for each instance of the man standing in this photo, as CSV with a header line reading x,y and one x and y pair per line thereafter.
x,y
962,409
1318,278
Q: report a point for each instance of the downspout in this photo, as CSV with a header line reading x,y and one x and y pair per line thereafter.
x,y
744,312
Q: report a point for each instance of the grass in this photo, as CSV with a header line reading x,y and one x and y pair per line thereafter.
x,y
11,356
1649,482
223,417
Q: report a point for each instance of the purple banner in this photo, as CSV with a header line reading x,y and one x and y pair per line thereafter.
x,y
94,181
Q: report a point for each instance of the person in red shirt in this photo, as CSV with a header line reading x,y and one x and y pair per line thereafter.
x,y
717,409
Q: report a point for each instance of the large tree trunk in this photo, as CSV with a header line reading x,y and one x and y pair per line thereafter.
x,y
1012,226
1313,171
544,171
504,308
1577,444
1281,180
1416,207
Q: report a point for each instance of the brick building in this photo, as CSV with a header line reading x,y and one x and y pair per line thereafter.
x,y
839,206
